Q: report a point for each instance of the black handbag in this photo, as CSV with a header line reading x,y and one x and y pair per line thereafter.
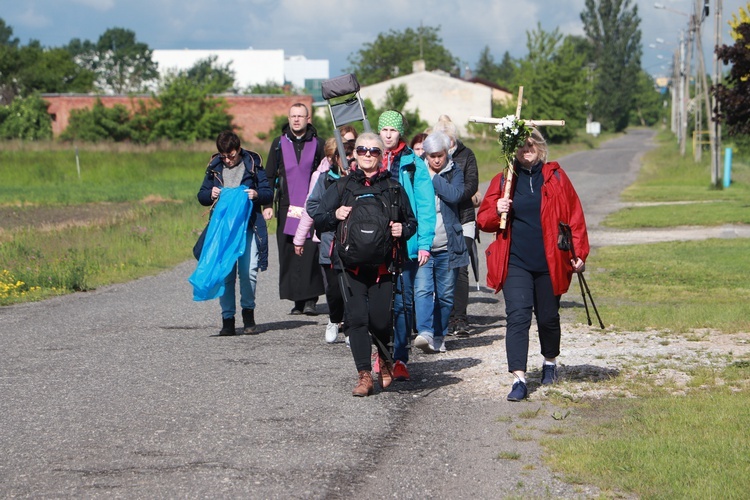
x,y
198,247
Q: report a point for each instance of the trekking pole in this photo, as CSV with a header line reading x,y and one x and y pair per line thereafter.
x,y
567,233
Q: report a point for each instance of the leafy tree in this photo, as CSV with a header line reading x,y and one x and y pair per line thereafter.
x,y
486,67
648,108
51,71
213,77
553,79
268,88
187,112
98,124
122,64
506,70
612,27
26,119
392,54
733,96
9,63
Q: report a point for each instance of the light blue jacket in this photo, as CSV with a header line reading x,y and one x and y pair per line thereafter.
x,y
415,178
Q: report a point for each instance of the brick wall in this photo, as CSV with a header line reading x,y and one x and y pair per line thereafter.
x,y
252,114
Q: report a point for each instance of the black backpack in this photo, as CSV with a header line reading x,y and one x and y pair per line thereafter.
x,y
364,238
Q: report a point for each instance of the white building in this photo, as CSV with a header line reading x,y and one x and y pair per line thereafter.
x,y
297,69
251,67
435,93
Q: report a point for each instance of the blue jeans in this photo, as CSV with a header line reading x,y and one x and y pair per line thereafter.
x,y
247,268
403,309
433,295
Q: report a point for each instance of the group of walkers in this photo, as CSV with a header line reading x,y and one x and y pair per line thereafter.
x,y
388,235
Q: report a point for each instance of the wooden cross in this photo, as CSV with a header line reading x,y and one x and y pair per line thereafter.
x,y
508,170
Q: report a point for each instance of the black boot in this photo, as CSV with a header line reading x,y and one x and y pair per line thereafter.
x,y
227,327
248,320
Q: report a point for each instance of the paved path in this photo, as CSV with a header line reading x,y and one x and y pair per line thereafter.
x,y
126,392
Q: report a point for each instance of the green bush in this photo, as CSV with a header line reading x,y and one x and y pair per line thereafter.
x,y
25,118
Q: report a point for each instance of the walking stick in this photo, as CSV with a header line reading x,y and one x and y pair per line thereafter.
x,y
568,237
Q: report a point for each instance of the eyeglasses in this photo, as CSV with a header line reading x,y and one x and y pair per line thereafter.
x,y
361,151
229,156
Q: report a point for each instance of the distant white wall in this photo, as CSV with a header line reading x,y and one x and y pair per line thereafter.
x,y
251,67
435,94
297,69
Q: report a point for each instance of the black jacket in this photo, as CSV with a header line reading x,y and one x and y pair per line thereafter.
x,y
464,158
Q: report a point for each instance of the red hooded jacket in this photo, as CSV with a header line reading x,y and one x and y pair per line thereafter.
x,y
560,203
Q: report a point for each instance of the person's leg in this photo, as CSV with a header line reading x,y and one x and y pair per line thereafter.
x,y
333,295
460,299
379,302
518,292
547,309
247,269
445,280
403,311
424,297
354,288
227,300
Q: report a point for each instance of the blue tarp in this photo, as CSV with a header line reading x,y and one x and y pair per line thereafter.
x,y
226,239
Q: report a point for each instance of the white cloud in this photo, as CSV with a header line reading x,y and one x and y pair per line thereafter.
x,y
100,5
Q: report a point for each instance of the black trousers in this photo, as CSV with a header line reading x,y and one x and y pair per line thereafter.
x,y
333,294
461,290
367,301
526,292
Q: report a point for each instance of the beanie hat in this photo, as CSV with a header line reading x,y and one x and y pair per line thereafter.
x,y
391,119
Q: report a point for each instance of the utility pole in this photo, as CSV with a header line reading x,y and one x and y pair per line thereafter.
x,y
716,144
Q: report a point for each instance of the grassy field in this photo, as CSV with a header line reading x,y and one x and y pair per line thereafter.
x,y
659,445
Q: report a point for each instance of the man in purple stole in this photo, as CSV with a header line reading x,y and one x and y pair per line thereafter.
x,y
293,157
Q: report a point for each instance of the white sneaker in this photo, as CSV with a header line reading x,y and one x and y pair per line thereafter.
x,y
425,342
332,332
346,340
439,345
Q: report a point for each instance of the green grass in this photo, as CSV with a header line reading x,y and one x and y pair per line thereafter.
x,y
148,240
665,446
667,177
676,286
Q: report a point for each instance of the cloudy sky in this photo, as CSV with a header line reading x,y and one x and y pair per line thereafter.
x,y
335,29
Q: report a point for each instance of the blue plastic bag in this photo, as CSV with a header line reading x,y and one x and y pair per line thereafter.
x,y
226,239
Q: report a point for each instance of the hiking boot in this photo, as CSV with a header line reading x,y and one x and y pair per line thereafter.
x,y
332,332
549,374
425,342
519,392
309,308
400,372
385,375
227,327
364,384
248,321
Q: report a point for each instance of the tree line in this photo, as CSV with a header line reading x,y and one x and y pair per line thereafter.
x,y
596,77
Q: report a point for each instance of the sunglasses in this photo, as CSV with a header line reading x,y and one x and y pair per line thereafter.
x,y
361,151
228,157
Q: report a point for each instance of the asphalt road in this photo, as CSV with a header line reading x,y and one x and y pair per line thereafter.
x,y
126,392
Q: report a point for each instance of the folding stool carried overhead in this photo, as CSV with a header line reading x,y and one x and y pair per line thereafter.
x,y
342,95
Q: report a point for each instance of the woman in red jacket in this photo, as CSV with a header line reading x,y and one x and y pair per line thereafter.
x,y
525,261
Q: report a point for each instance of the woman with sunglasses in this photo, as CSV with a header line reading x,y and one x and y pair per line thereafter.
x,y
368,290
329,171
